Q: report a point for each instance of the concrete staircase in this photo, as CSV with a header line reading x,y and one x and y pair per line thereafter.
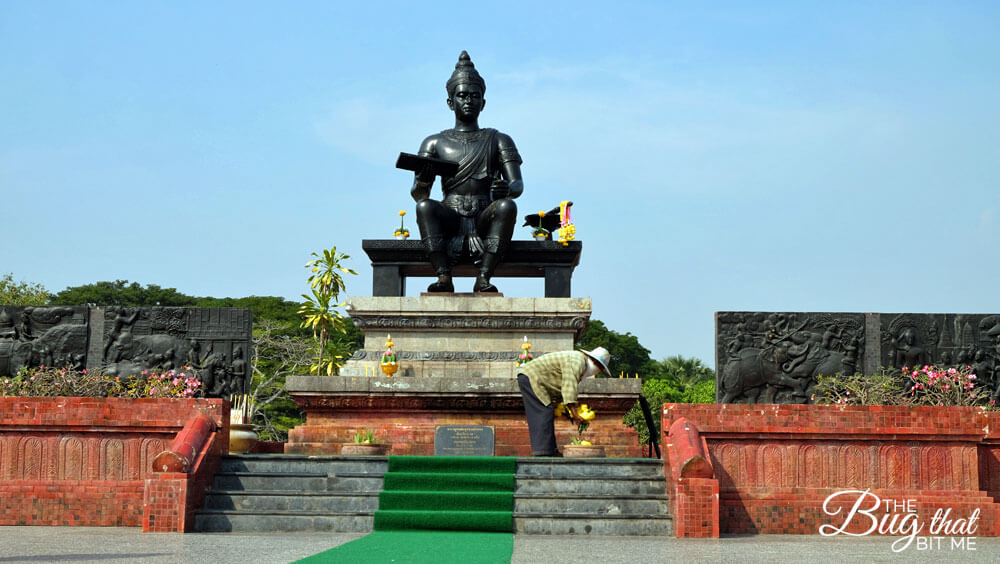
x,y
263,493
273,492
601,496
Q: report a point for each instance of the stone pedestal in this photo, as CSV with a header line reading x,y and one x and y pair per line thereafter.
x,y
404,413
456,336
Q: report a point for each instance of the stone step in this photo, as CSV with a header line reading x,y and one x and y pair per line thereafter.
x,y
356,483
539,504
297,482
583,524
286,463
590,486
294,482
234,521
650,469
271,501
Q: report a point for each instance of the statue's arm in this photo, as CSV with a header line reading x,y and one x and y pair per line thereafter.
x,y
424,180
510,162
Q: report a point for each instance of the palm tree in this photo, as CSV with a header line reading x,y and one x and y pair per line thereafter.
x,y
686,372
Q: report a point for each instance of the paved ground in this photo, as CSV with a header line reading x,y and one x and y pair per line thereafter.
x,y
128,545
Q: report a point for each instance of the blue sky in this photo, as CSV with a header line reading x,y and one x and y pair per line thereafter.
x,y
774,156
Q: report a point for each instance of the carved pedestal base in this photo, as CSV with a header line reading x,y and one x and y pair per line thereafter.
x,y
404,412
460,336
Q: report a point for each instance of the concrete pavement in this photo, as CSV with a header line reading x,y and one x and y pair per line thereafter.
x,y
128,545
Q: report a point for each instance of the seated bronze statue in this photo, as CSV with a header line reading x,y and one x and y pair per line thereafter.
x,y
477,215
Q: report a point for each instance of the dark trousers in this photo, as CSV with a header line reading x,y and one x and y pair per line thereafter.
x,y
541,420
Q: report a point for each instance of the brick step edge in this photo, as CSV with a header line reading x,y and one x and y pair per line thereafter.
x,y
285,493
594,517
662,497
282,474
247,513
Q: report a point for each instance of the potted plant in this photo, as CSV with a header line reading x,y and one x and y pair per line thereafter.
x,y
242,434
364,444
578,447
402,233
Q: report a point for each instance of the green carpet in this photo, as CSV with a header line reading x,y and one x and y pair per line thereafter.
x,y
421,547
438,509
455,493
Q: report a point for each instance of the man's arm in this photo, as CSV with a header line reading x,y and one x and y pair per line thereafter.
x,y
424,180
510,162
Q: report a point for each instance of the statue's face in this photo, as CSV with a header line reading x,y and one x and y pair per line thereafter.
x,y
467,101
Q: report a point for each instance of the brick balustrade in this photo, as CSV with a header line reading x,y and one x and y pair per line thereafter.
x,y
87,461
775,465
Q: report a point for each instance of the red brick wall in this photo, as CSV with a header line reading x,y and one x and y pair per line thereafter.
x,y
411,431
777,464
83,461
407,422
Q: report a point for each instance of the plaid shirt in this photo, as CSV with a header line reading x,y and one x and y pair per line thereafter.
x,y
555,376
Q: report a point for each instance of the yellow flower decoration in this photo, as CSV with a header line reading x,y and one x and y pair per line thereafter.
x,y
402,213
585,413
541,214
585,443
560,409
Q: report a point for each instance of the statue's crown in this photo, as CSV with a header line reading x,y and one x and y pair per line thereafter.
x,y
465,73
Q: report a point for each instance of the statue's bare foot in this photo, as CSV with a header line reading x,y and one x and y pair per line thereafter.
x,y
483,285
443,284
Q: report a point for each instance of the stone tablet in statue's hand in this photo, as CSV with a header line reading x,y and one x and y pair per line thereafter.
x,y
426,174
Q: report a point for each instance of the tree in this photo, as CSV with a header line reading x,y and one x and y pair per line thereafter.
x,y
276,355
21,293
685,372
121,293
627,354
678,380
318,310
279,310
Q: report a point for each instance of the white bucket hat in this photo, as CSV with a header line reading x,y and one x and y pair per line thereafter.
x,y
602,357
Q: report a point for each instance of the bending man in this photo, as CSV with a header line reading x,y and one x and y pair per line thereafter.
x,y
551,379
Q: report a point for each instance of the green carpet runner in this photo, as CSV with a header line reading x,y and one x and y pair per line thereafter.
x,y
457,493
421,547
438,509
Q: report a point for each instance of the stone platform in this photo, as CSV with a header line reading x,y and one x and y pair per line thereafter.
x,y
404,412
462,336
393,261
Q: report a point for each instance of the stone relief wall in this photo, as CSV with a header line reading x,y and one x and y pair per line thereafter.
x,y
774,357
214,342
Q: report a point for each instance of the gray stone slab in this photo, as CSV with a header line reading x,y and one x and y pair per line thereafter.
x,y
270,522
589,486
594,525
262,502
252,481
286,464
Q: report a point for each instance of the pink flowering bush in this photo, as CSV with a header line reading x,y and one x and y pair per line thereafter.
x,y
70,382
930,385
926,385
